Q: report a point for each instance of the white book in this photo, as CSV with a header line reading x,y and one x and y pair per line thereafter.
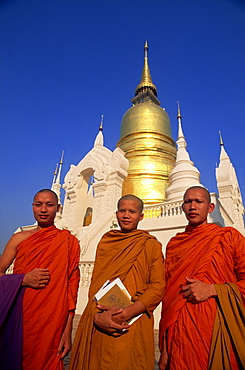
x,y
118,296
108,285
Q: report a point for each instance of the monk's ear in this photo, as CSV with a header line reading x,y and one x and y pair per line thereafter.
x,y
141,216
211,207
58,208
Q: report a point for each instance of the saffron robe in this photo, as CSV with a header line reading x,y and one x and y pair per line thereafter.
x,y
136,258
213,255
45,311
229,327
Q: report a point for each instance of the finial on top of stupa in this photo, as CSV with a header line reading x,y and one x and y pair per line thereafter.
x,y
99,140
146,49
179,114
101,123
55,174
56,180
179,117
60,166
220,139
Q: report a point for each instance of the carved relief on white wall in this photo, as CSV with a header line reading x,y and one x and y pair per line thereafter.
x,y
102,173
86,270
70,178
84,242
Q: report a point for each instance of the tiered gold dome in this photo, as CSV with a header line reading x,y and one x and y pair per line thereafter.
x,y
147,142
145,117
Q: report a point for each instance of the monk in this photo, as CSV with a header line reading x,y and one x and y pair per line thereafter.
x,y
203,316
103,339
44,286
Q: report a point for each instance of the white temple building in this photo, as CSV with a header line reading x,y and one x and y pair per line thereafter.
x,y
164,220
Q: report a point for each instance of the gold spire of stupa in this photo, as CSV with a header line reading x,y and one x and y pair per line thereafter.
x,y
147,142
146,81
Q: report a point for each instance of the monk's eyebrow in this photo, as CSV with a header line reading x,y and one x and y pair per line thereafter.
x,y
130,210
191,200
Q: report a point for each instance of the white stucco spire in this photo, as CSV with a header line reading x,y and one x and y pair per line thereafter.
x,y
184,174
182,154
223,155
99,140
56,181
228,187
55,174
60,167
225,163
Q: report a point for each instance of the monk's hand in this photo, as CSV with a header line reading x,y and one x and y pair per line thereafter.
x,y
65,341
118,317
197,291
65,345
37,278
163,360
105,321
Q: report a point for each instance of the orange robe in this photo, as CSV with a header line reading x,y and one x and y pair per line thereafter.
x,y
136,258
213,255
45,311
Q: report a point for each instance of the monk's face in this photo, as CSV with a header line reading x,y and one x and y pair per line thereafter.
x,y
44,208
196,206
129,215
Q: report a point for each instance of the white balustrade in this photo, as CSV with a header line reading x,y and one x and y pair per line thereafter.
x,y
163,210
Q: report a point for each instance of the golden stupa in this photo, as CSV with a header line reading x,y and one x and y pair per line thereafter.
x,y
146,139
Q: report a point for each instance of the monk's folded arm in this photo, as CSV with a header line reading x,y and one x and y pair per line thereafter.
x,y
129,312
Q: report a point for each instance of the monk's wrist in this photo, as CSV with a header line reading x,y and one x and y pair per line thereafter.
x,y
24,282
124,315
133,310
213,292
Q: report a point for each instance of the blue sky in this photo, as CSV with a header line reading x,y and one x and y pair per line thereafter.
x,y
64,63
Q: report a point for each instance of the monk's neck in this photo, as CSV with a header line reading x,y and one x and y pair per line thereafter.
x,y
197,227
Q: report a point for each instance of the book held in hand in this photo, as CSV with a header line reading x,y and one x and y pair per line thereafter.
x,y
114,294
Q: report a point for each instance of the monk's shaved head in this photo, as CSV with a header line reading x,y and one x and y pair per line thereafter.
x,y
204,190
140,203
47,191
